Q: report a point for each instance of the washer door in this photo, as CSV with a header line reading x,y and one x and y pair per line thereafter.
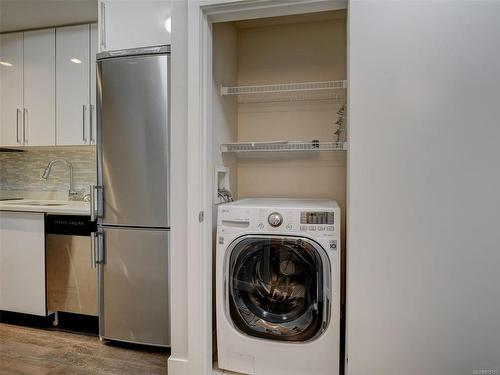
x,y
277,287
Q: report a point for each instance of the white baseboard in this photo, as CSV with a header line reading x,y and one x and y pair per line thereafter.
x,y
178,366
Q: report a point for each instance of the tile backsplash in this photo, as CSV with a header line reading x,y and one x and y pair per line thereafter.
x,y
23,170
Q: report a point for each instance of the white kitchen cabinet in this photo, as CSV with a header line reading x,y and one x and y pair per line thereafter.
x,y
93,81
48,87
39,88
11,89
73,85
133,24
22,262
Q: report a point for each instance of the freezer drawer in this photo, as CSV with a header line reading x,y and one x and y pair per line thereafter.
x,y
133,140
134,287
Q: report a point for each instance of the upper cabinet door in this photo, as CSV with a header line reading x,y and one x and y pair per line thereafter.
x,y
93,80
73,85
39,88
134,24
11,89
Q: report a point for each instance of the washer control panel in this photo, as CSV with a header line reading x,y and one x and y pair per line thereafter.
x,y
320,223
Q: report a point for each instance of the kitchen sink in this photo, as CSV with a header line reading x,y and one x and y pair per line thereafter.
x,y
37,204
46,204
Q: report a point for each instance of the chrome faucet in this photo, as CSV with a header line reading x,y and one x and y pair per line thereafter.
x,y
72,193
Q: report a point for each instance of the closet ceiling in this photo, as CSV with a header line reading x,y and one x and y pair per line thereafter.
x,y
32,14
293,19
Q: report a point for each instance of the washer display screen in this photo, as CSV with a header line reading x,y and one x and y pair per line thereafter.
x,y
316,218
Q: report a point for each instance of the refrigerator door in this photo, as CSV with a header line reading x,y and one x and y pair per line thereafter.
x,y
134,285
133,140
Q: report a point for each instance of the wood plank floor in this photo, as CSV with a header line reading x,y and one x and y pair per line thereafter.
x,y
34,351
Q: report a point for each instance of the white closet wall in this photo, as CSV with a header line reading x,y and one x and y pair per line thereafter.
x,y
423,258
225,110
302,48
281,53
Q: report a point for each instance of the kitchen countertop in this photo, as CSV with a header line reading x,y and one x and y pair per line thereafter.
x,y
51,206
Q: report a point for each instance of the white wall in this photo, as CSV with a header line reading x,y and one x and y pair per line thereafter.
x,y
178,362
224,108
424,239
296,51
36,14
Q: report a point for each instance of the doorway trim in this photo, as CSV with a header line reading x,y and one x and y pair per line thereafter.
x,y
201,15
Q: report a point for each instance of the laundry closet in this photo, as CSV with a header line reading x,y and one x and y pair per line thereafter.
x,y
279,111
278,87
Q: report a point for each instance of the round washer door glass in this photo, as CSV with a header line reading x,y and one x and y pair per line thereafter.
x,y
278,287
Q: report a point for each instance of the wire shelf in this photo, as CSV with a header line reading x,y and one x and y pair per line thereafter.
x,y
283,146
324,96
302,88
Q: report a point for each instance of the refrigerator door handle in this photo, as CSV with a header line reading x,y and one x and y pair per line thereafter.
x,y
93,260
95,212
100,202
92,203
100,247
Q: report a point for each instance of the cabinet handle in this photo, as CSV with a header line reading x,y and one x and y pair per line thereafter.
x,y
103,26
83,123
91,131
25,126
18,113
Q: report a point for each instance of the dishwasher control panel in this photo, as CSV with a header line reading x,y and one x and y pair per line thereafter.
x,y
72,225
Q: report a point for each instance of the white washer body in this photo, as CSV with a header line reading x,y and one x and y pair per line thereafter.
x,y
240,225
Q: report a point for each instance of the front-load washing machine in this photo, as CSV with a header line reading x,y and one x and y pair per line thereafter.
x,y
278,286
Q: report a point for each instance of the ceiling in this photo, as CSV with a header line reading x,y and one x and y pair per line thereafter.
x,y
291,19
34,14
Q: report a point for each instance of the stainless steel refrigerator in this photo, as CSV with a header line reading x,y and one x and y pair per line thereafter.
x,y
132,195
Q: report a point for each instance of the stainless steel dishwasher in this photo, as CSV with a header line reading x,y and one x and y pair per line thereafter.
x,y
71,269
